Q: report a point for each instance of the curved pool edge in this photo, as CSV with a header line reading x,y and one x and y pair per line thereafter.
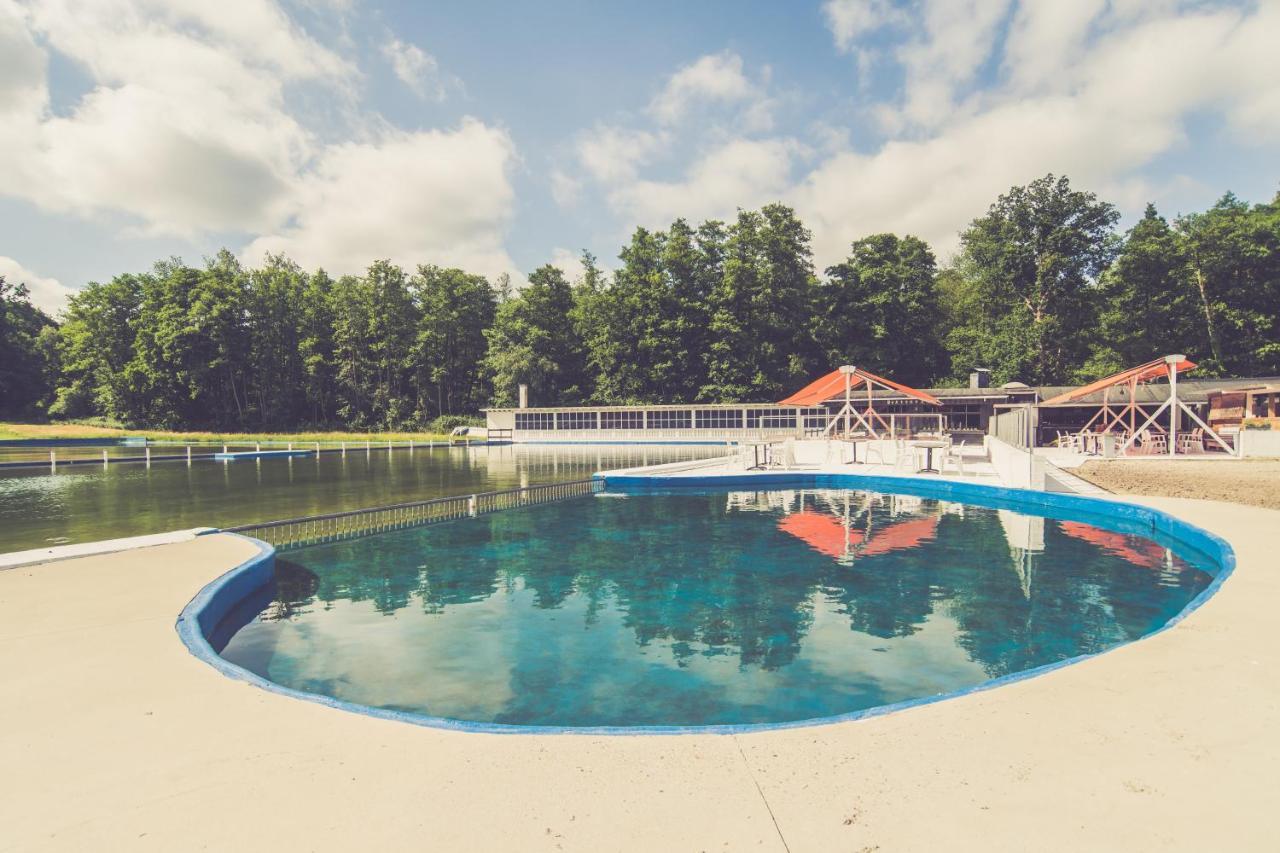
x,y
215,600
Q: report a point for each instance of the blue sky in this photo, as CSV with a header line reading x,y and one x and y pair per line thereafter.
x,y
501,136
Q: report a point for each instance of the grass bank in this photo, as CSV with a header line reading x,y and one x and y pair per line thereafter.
x,y
69,430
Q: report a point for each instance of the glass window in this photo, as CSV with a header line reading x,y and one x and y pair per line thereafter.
x,y
535,420
576,420
670,419
622,420
816,418
719,418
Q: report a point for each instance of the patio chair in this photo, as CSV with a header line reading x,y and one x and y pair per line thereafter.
x,y
788,460
834,453
904,457
952,455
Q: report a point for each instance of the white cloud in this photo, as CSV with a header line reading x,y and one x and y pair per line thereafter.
x,y
569,262
850,20
185,125
613,154
418,70
565,189
1111,107
715,78
441,196
48,294
738,173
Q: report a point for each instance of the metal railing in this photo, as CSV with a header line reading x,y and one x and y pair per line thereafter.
x,y
315,529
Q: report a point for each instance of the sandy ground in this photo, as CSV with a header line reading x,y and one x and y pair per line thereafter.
x,y
1251,482
112,736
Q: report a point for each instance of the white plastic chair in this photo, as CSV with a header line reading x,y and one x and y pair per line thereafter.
x,y
904,458
953,455
788,454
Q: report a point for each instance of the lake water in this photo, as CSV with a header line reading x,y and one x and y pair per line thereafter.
x,y
85,503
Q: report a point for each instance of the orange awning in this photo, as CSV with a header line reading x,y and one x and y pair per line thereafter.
x,y
831,386
1141,373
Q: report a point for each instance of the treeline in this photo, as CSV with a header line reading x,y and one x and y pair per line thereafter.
x,y
1043,290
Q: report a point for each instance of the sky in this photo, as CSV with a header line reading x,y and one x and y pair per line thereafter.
x,y
499,137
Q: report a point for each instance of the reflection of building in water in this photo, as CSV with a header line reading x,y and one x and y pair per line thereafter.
x,y
773,501
1025,535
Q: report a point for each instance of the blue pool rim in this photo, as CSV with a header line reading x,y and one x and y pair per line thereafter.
x,y
203,613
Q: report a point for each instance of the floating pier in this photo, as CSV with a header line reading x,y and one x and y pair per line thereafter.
x,y
230,456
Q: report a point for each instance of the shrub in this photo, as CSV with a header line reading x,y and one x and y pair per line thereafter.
x,y
446,423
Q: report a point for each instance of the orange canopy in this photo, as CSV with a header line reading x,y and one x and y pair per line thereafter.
x,y
832,385
1141,373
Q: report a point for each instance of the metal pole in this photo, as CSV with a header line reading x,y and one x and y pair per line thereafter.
x,y
148,456
53,460
104,459
188,455
1174,412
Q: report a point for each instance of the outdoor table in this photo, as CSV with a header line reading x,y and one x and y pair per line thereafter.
x,y
854,442
929,447
759,449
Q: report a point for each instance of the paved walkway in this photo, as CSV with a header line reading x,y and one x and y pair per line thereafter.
x,y
114,737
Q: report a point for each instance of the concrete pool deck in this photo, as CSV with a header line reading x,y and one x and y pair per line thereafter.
x,y
114,736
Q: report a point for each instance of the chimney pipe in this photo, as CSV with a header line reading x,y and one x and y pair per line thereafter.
x,y
524,396
980,378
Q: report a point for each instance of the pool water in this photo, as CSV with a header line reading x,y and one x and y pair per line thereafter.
x,y
703,607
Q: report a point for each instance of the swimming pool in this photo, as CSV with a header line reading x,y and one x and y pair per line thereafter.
x,y
641,608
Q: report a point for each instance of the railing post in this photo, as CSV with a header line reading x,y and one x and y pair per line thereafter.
x,y
104,459
471,506
53,461
148,456
188,456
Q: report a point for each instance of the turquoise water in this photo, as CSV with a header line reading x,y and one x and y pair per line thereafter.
x,y
698,608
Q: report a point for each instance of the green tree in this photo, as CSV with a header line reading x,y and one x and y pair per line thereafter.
x,y
761,343
455,308
1150,307
533,341
1032,263
315,348
24,360
96,344
879,310
276,384
1233,254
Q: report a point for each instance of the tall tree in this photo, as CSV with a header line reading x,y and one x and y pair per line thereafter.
x,y
532,341
24,363
1150,307
1033,261
96,345
1233,253
879,310
275,298
454,309
761,341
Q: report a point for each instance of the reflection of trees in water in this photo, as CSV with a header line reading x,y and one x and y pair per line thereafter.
x,y
295,589
1084,600
708,579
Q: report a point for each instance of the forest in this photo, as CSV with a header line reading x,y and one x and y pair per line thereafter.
x,y
1044,289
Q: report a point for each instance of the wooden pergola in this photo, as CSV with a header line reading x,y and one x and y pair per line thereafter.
x,y
1126,416
848,379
